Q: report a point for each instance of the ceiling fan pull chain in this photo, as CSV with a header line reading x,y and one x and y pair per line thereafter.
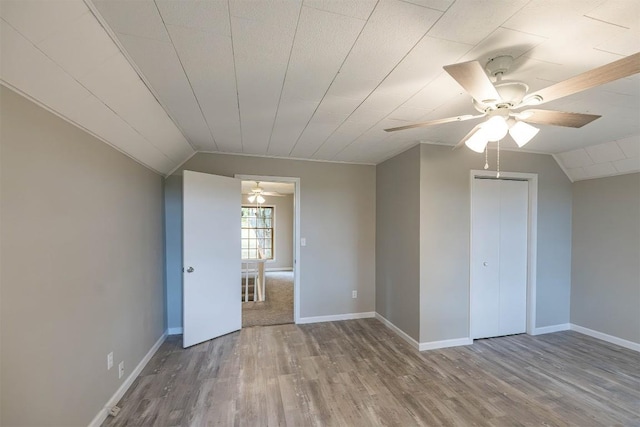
x,y
486,157
498,161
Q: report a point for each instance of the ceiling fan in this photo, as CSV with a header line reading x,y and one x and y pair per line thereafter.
x,y
258,193
499,101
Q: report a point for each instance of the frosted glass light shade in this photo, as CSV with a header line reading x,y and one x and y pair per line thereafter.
x,y
478,141
495,128
252,198
522,133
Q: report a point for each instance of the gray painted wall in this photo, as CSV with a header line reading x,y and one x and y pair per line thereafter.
x,y
173,250
605,288
81,267
398,241
444,238
337,219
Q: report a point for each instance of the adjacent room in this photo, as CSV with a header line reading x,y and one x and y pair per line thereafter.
x,y
319,212
267,253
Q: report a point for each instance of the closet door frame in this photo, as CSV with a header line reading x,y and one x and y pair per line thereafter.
x,y
532,239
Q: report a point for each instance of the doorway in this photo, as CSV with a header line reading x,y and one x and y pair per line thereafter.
x,y
269,245
502,254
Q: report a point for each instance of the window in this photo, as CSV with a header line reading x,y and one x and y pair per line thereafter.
x,y
257,232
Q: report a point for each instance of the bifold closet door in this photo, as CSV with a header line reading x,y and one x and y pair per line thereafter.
x,y
514,201
498,258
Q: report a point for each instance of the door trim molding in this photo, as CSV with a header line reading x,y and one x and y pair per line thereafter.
x,y
532,238
296,231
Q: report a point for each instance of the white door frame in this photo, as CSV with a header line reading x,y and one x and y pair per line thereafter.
x,y
296,231
532,239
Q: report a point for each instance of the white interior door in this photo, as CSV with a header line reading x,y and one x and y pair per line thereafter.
x,y
485,259
498,300
514,200
211,257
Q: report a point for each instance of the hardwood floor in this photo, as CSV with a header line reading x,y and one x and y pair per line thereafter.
x,y
359,373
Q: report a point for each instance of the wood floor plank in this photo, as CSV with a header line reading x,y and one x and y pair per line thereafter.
x,y
358,373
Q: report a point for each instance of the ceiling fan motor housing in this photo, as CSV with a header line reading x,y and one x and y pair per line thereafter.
x,y
511,94
499,65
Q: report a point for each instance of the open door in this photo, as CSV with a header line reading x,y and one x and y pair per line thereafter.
x,y
211,257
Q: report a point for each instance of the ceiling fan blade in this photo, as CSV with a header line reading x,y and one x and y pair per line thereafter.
x,y
436,122
472,77
624,67
466,137
272,193
556,118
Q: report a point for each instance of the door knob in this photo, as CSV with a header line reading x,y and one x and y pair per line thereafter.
x,y
190,270
485,263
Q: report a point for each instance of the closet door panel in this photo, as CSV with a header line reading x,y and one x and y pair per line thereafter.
x,y
485,272
513,256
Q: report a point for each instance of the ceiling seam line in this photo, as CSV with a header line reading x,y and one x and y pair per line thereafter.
x,y
426,7
606,22
284,79
186,75
295,144
335,13
608,51
89,91
235,76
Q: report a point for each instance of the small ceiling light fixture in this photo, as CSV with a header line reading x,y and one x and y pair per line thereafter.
x,y
252,198
522,133
478,140
495,128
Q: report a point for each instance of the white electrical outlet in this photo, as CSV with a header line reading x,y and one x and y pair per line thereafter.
x,y
109,360
121,369
354,294
303,242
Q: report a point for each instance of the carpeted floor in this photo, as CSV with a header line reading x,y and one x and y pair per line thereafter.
x,y
278,306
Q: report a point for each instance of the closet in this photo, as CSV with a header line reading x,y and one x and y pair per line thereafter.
x,y
499,227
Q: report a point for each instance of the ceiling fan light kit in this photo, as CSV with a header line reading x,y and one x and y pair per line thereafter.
x,y
478,140
498,100
522,132
252,198
258,193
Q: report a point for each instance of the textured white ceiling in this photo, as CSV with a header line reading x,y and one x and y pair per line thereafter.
x,y
58,54
277,187
605,159
316,79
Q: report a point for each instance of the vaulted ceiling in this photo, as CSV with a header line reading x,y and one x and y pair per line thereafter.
x,y
316,79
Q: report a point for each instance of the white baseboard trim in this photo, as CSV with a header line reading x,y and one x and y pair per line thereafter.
x,y
174,331
104,412
422,346
402,334
336,317
455,342
606,337
551,329
278,269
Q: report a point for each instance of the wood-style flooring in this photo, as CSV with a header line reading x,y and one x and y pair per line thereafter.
x,y
359,373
